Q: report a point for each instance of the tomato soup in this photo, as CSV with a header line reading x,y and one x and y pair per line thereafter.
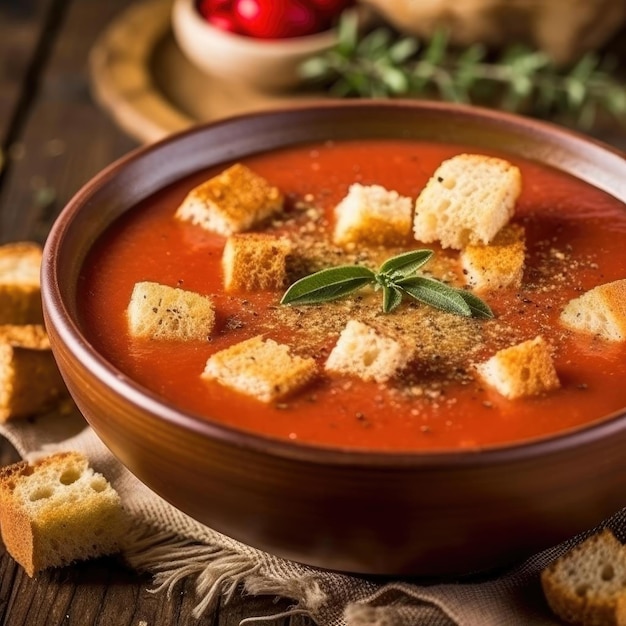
x,y
575,238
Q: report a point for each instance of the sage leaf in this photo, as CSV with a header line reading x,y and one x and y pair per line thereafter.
x,y
328,284
479,308
392,297
436,294
407,263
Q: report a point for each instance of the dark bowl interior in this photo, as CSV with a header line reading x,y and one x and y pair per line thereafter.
x,y
377,513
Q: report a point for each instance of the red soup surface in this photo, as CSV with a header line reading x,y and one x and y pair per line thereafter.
x,y
574,241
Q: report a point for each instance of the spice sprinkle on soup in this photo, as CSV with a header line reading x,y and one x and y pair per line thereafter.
x,y
373,294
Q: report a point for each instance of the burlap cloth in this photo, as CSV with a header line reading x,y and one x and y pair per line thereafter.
x,y
173,547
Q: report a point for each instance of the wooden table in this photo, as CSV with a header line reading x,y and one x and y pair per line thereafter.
x,y
54,138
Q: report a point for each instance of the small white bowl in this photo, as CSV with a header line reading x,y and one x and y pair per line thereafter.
x,y
267,64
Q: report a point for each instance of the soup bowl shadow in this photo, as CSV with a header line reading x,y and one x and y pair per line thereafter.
x,y
420,514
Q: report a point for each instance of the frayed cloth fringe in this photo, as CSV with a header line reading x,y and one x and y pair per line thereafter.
x,y
217,573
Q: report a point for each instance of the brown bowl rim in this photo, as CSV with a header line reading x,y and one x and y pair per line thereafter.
x,y
57,313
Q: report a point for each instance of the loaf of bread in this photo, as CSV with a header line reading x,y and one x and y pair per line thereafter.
x,y
255,262
469,198
497,265
261,368
30,382
525,369
374,215
587,585
231,202
57,510
600,311
20,290
363,352
158,311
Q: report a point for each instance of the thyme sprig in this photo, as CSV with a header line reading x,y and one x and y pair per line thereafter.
x,y
397,277
383,63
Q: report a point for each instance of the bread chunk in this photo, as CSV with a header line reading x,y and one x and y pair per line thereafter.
x,y
600,311
158,311
30,382
498,265
231,202
20,290
372,214
261,368
57,511
469,198
364,352
255,262
525,369
587,585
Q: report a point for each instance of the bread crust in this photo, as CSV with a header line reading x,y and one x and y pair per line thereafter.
x,y
161,312
525,369
372,214
260,368
234,201
30,382
587,585
469,198
255,262
58,510
20,290
601,311
364,352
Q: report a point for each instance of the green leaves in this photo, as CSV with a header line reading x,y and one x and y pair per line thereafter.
x,y
329,284
382,63
396,277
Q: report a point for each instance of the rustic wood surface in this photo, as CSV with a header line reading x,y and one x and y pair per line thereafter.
x,y
53,139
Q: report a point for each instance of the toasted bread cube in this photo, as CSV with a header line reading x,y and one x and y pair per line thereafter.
x,y
586,584
57,511
20,291
231,202
372,214
600,311
469,198
254,262
158,311
261,368
497,265
525,369
363,352
30,382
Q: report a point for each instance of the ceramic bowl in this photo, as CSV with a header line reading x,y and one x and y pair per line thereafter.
x,y
429,515
266,64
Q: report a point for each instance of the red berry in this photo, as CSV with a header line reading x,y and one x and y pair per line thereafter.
x,y
224,20
207,8
277,19
329,9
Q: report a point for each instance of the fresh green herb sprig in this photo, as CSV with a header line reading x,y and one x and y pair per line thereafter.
x,y
396,277
382,63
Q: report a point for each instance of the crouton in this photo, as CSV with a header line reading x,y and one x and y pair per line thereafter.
x,y
587,585
20,291
469,198
30,382
600,311
57,511
374,215
497,265
261,368
363,352
255,261
525,369
231,202
157,311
